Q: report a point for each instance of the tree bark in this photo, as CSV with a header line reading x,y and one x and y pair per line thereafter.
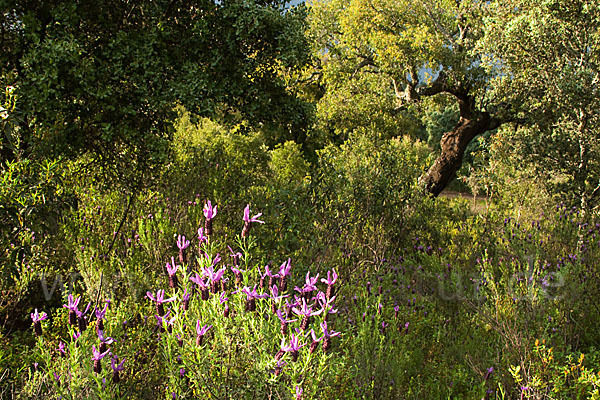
x,y
454,143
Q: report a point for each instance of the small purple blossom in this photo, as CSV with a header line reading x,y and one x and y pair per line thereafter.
x,y
284,269
172,267
247,217
331,278
61,349
327,335
72,307
116,365
186,299
96,357
101,314
200,332
293,347
201,237
209,211
249,220
72,303
172,271
182,242
37,318
159,299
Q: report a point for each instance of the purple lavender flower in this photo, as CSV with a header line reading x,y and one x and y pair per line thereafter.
x,y
330,281
327,306
202,286
305,311
315,341
100,315
116,367
309,286
96,357
249,220
161,322
172,271
186,299
271,276
284,272
214,276
37,318
61,349
327,335
81,320
298,393
209,213
182,244
488,373
223,300
236,256
201,237
251,296
279,366
104,341
293,347
284,322
159,300
72,307
238,275
200,332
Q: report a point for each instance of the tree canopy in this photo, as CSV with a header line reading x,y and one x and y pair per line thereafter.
x,y
530,63
545,59
103,77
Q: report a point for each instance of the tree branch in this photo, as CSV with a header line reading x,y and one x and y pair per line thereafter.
x,y
366,61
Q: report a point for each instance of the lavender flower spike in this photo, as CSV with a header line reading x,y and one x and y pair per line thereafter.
x,y
330,281
249,220
284,272
81,320
201,237
104,341
159,300
294,346
202,286
186,299
100,315
96,357
209,213
327,335
182,244
200,332
172,270
37,318
298,393
116,367
315,341
306,312
72,307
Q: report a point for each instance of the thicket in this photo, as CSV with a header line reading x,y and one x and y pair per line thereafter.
x,y
180,224
430,299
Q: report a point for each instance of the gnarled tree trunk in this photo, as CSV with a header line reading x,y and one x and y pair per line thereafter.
x,y
471,123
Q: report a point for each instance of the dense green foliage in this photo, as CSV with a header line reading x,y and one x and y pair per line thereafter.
x,y
102,77
120,122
